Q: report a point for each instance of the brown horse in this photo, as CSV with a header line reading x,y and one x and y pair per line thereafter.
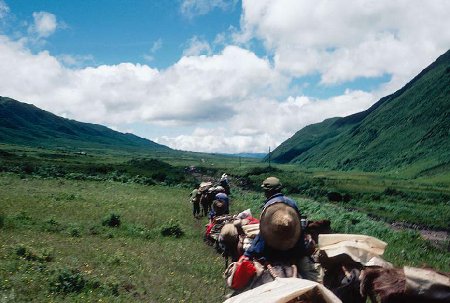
x,y
395,285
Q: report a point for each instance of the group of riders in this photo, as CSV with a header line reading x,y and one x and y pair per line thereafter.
x,y
281,243
211,200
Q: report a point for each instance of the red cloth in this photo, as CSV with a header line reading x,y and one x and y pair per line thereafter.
x,y
252,220
208,229
244,273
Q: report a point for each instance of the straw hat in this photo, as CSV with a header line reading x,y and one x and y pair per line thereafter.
x,y
271,183
280,226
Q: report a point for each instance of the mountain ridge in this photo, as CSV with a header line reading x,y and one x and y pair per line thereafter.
x,y
25,124
403,129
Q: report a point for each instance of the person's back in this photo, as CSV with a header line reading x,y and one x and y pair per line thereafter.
x,y
195,200
281,238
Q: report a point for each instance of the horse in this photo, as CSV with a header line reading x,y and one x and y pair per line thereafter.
x,y
408,284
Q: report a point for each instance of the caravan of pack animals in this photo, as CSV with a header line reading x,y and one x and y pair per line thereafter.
x,y
284,257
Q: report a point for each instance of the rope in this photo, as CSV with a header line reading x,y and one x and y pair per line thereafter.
x,y
271,272
274,275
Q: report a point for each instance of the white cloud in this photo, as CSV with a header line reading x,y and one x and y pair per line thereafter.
x,y
4,9
76,60
343,40
266,122
44,24
240,95
155,47
195,89
197,47
192,8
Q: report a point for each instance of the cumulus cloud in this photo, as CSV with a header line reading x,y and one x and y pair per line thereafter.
x,y
268,122
344,40
192,8
195,89
246,100
196,47
44,24
234,91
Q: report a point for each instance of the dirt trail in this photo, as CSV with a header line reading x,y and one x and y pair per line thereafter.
x,y
439,238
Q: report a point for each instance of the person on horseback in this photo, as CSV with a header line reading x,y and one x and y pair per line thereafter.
x,y
281,237
225,184
220,206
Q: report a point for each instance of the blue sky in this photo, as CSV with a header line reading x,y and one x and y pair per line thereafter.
x,y
214,75
124,31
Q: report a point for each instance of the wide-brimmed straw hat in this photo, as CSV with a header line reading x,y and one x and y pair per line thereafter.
x,y
280,226
271,183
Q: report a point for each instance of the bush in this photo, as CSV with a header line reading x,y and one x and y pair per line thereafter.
x,y
346,197
23,218
68,281
112,221
172,229
96,230
75,232
392,192
30,255
52,225
2,220
334,196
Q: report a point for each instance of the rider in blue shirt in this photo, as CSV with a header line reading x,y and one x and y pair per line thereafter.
x,y
263,251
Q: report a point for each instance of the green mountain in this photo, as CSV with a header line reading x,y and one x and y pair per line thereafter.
x,y
25,124
409,129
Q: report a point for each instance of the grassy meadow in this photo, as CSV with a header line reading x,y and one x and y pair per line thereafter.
x,y
115,227
53,233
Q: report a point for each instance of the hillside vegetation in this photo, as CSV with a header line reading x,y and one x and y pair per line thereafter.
x,y
25,124
408,130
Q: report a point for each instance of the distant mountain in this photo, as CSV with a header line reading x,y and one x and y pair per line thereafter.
x,y
410,128
25,124
250,155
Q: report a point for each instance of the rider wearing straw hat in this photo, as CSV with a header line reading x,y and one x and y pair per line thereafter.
x,y
281,236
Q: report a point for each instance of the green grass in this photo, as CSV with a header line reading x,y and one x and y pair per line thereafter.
x,y
133,262
57,243
53,231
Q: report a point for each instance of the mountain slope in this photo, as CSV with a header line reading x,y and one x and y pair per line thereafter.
x,y
25,124
409,127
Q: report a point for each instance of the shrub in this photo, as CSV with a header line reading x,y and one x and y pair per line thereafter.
x,y
346,197
75,232
334,196
112,221
172,229
389,191
30,255
95,230
68,281
23,218
2,220
76,176
52,225
27,168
